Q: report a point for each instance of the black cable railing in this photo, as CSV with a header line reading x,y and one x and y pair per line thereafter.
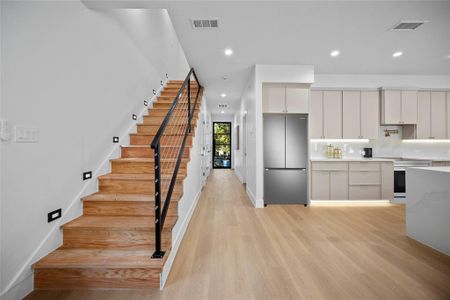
x,y
169,145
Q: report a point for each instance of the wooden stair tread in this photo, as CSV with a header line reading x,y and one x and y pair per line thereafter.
x,y
118,223
99,258
99,196
134,177
146,159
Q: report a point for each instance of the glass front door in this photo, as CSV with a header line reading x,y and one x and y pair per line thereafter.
x,y
222,145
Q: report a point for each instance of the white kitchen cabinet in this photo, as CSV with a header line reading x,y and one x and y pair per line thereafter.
x,y
332,114
387,181
448,115
320,182
370,114
297,100
338,185
409,107
399,107
438,115
351,114
423,130
274,98
282,98
316,115
344,180
360,114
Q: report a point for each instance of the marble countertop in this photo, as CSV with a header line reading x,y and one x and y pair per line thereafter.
x,y
418,158
358,159
434,169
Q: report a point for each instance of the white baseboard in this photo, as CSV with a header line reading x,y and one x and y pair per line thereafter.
x,y
257,203
239,176
176,241
20,290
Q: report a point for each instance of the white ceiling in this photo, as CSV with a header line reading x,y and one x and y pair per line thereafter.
x,y
303,32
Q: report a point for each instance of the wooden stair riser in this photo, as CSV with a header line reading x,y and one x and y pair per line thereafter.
x,y
165,140
153,129
113,238
147,152
126,208
133,187
173,122
165,104
162,112
98,278
124,167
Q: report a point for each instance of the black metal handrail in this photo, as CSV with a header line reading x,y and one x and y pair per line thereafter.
x,y
160,216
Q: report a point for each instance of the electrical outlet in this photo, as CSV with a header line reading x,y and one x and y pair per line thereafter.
x,y
26,134
53,215
115,139
87,175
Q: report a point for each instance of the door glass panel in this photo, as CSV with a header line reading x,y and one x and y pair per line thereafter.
x,y
222,145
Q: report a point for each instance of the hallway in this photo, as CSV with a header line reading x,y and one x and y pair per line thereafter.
x,y
234,251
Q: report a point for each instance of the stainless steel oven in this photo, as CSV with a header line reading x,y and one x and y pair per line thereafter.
x,y
400,169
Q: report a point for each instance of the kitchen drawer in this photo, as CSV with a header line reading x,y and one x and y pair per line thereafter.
x,y
329,166
364,178
364,192
364,166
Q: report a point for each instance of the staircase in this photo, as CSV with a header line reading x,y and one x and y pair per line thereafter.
x,y
111,244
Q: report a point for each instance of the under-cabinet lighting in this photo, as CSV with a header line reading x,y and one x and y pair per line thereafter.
x,y
341,140
350,203
426,141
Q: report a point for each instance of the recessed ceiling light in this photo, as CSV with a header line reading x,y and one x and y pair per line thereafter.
x,y
222,112
334,53
223,95
228,52
397,54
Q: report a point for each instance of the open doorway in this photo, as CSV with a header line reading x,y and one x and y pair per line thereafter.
x,y
221,145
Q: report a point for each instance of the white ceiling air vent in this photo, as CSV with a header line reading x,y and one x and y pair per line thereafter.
x,y
223,105
201,23
407,25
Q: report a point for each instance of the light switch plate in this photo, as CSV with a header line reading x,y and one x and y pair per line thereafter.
x,y
26,134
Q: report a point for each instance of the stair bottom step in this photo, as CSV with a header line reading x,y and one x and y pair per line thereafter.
x,y
99,278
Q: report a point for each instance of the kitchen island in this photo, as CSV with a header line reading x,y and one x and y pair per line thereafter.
x,y
428,206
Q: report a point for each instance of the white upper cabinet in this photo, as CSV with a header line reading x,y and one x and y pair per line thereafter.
x,y
409,107
274,98
351,110
432,115
448,115
423,130
360,114
332,114
438,116
370,114
282,98
316,115
399,107
297,100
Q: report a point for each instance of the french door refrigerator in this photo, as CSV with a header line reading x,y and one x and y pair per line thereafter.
x,y
285,158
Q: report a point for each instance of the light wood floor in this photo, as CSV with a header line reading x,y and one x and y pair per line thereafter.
x,y
234,251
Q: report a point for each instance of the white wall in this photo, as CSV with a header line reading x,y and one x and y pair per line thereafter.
x,y
77,75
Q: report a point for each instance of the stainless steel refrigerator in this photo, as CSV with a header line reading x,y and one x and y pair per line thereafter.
x,y
285,158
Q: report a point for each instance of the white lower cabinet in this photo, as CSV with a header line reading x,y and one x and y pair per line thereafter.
x,y
352,181
364,192
338,185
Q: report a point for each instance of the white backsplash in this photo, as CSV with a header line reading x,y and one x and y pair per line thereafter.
x,y
391,146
